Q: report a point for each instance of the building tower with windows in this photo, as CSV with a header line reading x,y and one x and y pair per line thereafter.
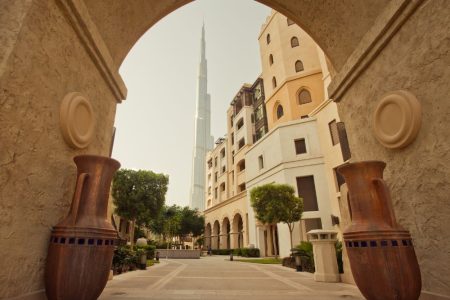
x,y
203,141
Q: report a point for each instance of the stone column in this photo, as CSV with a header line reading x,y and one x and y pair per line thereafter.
x,y
325,261
234,240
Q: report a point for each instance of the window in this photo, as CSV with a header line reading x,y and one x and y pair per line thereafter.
x,y
209,190
340,180
215,177
334,132
294,42
290,22
261,162
240,123
259,113
280,111
232,157
241,165
222,153
241,143
223,169
304,97
222,186
300,146
311,224
271,59
215,193
304,117
298,66
215,161
232,138
210,163
268,39
307,191
241,187
252,117
231,121
274,82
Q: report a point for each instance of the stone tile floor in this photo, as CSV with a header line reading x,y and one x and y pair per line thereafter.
x,y
219,279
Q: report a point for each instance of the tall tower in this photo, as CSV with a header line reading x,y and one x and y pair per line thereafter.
x,y
203,139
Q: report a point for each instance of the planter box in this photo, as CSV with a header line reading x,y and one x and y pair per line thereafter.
x,y
178,253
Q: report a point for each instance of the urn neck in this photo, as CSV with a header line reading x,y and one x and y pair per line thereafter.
x,y
369,197
92,206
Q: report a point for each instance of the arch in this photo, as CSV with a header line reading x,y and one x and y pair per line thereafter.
x,y
270,59
294,42
304,96
280,111
238,231
321,23
274,82
225,234
215,238
268,39
299,66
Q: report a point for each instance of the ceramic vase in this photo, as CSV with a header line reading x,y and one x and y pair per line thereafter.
x,y
82,245
380,251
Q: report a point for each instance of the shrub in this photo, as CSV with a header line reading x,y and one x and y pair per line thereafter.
x,y
124,258
245,252
149,250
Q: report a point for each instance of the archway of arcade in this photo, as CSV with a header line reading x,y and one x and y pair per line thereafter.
x,y
374,46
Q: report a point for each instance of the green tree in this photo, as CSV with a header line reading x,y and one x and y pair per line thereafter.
x,y
274,203
176,221
139,196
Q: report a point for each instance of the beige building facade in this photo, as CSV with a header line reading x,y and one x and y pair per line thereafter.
x,y
49,49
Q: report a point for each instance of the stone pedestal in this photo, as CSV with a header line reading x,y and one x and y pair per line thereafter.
x,y
325,261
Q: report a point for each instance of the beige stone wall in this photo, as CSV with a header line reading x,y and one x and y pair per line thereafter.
x,y
37,174
416,59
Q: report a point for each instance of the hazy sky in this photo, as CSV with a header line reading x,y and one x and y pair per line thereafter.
x,y
155,125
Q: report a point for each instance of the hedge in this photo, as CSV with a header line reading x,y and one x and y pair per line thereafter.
x,y
245,252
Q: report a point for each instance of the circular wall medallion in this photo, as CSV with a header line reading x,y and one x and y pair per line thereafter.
x,y
77,120
397,119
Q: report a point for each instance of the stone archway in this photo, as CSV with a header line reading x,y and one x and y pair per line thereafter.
x,y
238,231
225,234
215,237
79,46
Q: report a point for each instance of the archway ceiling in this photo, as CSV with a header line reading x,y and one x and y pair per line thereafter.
x,y
337,26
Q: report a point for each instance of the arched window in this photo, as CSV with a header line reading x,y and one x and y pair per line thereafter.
x,y
294,42
304,97
268,39
274,82
271,59
290,22
298,66
280,111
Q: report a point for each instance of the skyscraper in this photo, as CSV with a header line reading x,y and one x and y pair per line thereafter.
x,y
203,139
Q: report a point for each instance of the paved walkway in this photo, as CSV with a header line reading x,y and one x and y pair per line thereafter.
x,y
219,279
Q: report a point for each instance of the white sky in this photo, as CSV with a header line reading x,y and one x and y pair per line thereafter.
x,y
155,124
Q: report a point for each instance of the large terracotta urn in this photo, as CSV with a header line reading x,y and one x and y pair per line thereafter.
x,y
380,251
82,245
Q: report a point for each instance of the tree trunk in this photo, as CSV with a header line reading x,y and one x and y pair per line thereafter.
x,y
133,222
274,242
291,229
